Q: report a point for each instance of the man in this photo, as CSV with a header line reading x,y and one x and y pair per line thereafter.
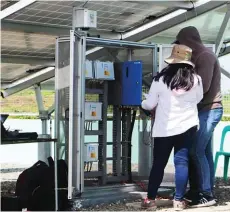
x,y
210,113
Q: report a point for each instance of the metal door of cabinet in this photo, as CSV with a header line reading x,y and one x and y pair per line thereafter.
x,y
132,83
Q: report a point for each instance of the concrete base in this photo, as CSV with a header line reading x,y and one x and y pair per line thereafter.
x,y
110,194
166,206
159,203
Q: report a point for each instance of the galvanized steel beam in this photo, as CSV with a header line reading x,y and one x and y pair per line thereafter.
x,y
28,81
15,8
163,23
27,60
223,30
7,25
225,50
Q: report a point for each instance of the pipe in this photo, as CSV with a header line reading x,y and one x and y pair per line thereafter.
x,y
130,146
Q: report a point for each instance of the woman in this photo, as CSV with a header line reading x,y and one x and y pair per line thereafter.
x,y
174,93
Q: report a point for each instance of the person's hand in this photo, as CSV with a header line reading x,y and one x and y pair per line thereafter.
x,y
142,114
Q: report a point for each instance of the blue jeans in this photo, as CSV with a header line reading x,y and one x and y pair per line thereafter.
x,y
162,149
201,168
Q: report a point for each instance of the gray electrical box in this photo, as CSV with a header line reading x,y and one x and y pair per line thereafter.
x,y
84,18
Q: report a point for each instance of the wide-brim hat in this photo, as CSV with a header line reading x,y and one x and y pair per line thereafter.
x,y
180,54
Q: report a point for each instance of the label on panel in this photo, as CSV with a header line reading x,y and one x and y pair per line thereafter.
x,y
104,70
93,111
91,152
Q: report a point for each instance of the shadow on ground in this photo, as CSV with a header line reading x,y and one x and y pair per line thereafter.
x,y
222,193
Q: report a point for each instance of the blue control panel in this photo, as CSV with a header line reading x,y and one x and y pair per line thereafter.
x,y
126,90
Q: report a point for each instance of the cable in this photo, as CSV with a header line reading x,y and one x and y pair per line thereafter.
x,y
149,138
130,145
90,167
85,4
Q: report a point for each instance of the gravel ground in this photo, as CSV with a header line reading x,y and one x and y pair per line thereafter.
x,y
222,193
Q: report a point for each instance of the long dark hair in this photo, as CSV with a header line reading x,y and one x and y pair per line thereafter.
x,y
177,76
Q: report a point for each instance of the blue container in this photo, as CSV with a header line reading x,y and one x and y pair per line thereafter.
x,y
126,90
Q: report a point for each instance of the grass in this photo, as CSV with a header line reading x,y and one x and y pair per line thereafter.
x,y
25,102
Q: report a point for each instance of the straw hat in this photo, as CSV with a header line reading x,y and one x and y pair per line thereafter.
x,y
180,54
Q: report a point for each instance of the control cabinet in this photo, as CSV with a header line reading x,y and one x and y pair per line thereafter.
x,y
91,152
93,111
104,70
126,90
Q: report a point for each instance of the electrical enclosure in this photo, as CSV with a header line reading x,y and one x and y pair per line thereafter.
x,y
93,111
104,70
126,90
90,152
84,18
88,69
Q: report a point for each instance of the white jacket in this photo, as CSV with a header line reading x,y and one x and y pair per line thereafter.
x,y
176,110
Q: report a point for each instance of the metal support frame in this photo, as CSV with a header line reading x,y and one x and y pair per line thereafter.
x,y
225,50
172,4
116,141
44,149
163,23
28,81
76,113
102,126
26,60
124,142
15,8
225,73
222,32
147,30
49,30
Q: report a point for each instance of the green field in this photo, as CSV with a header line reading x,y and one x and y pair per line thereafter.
x,y
25,102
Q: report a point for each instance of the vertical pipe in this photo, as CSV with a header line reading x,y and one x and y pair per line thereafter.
x,y
129,54
114,141
56,127
43,148
71,125
129,137
155,70
104,121
117,140
124,140
51,127
39,98
44,126
83,58
155,59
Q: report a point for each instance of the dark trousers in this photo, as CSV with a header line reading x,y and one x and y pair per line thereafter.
x,y
161,153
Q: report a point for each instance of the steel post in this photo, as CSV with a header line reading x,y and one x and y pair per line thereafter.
x,y
44,149
222,32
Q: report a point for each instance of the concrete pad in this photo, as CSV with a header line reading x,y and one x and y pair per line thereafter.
x,y
159,203
205,209
166,206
